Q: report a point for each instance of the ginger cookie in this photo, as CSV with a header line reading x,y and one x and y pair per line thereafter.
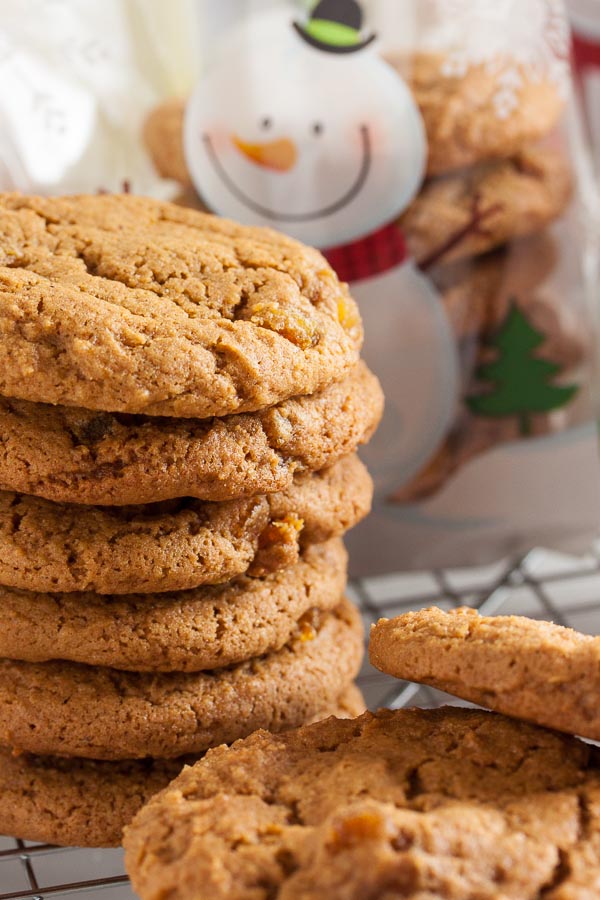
x,y
473,211
448,803
87,803
477,296
471,436
78,456
163,138
463,113
126,304
209,627
69,709
176,545
524,668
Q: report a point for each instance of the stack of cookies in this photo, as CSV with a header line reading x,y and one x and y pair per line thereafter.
x,y
181,399
483,228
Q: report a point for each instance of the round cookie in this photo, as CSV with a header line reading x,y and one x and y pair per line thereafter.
x,y
453,803
69,709
86,803
522,667
477,296
461,112
79,456
123,303
163,138
176,545
207,628
473,211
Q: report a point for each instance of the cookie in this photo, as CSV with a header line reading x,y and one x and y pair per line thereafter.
x,y
447,803
473,211
175,545
522,667
464,110
127,304
69,709
470,437
477,296
78,456
163,138
86,803
206,628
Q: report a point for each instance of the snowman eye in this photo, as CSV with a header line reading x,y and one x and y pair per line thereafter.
x,y
266,123
318,128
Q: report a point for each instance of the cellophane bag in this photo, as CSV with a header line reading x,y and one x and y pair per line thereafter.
x,y
432,150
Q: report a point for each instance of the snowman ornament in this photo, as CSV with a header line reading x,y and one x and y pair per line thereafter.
x,y
301,126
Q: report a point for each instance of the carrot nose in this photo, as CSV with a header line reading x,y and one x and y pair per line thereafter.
x,y
280,155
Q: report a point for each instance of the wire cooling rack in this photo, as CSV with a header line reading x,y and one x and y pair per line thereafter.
x,y
542,585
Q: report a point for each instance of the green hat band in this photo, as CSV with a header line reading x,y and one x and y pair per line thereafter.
x,y
333,33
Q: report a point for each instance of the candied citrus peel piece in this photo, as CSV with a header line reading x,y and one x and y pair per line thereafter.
x,y
347,314
282,531
353,829
289,324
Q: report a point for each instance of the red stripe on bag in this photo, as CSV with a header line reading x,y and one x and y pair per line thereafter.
x,y
586,53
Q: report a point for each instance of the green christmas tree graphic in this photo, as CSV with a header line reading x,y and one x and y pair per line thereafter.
x,y
520,380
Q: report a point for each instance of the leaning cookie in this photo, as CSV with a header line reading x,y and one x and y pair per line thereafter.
x,y
126,304
70,709
175,545
79,456
465,114
209,627
473,211
87,803
531,670
162,135
448,803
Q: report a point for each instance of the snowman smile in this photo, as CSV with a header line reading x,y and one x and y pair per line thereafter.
x,y
250,203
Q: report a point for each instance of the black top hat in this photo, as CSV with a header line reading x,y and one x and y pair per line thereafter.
x,y
334,26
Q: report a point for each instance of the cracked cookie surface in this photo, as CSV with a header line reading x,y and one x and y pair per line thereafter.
x,y
518,666
210,627
176,545
80,456
447,804
126,304
70,709
85,802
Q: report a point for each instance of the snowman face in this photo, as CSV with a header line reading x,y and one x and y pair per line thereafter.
x,y
323,147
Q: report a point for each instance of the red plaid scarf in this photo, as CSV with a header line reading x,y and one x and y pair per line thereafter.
x,y
369,256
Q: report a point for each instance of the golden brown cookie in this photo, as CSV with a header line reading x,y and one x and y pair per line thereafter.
x,y
77,456
522,667
477,295
127,304
463,113
163,138
209,627
86,803
470,437
473,211
69,709
449,803
176,545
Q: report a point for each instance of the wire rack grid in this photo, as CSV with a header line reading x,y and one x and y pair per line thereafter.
x,y
542,585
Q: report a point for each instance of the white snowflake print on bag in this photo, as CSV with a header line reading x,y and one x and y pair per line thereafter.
x,y
532,34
